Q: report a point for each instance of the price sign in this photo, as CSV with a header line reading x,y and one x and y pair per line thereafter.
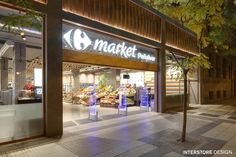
x,y
93,105
122,104
144,102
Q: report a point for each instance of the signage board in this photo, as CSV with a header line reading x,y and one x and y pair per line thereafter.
x,y
88,41
144,102
93,113
122,103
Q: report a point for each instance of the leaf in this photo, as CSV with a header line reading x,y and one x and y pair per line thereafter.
x,y
30,19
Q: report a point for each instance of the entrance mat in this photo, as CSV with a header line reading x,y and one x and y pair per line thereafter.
x,y
232,117
68,124
208,114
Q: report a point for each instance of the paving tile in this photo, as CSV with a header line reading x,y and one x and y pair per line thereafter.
x,y
173,154
50,150
232,117
231,144
91,145
144,134
138,151
209,114
68,124
224,131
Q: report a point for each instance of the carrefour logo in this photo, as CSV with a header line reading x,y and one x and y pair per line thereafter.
x,y
79,40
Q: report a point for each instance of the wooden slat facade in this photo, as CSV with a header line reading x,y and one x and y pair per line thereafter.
x,y
180,39
127,16
41,1
121,14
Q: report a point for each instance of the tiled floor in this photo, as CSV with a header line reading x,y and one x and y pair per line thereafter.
x,y
145,134
73,112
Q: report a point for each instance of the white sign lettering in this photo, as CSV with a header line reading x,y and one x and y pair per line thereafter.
x,y
79,40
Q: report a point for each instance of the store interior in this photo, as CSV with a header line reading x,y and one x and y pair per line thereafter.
x,y
21,108
79,80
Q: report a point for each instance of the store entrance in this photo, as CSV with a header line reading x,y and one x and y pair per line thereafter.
x,y
80,81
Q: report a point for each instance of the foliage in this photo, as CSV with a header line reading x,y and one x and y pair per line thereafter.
x,y
214,21
15,22
190,64
223,37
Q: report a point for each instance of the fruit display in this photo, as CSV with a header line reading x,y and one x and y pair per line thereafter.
x,y
67,97
127,90
83,94
104,94
112,100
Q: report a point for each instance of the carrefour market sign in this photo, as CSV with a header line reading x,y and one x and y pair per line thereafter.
x,y
86,41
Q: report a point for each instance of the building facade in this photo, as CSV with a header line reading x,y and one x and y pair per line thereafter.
x,y
219,82
82,36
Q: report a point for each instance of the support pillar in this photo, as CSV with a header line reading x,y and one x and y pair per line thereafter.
x,y
19,69
53,69
161,78
117,74
76,79
3,73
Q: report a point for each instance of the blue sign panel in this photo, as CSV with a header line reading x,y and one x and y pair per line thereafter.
x,y
144,102
122,102
92,103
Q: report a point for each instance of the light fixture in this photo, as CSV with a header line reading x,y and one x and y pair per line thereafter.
x,y
117,78
23,36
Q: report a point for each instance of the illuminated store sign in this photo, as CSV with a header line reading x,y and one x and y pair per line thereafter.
x,y
86,41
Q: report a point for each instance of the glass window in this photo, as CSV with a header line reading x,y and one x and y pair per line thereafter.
x,y
21,86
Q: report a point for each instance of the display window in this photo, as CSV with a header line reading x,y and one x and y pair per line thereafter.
x,y
21,86
109,84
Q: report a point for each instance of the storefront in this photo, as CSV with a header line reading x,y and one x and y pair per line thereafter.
x,y
89,47
109,64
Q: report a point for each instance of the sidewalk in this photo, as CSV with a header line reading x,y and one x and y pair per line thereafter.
x,y
145,134
223,110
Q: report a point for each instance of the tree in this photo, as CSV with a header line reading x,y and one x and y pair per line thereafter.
x,y
186,66
214,21
16,22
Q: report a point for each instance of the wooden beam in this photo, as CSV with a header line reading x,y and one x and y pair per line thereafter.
x,y
105,60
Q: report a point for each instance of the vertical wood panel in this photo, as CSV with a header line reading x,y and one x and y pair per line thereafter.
x,y
120,13
130,17
41,1
181,39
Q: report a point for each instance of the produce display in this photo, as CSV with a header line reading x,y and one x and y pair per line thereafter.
x,y
83,94
112,100
127,90
104,94
67,97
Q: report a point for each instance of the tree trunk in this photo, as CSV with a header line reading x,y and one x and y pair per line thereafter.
x,y
185,107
